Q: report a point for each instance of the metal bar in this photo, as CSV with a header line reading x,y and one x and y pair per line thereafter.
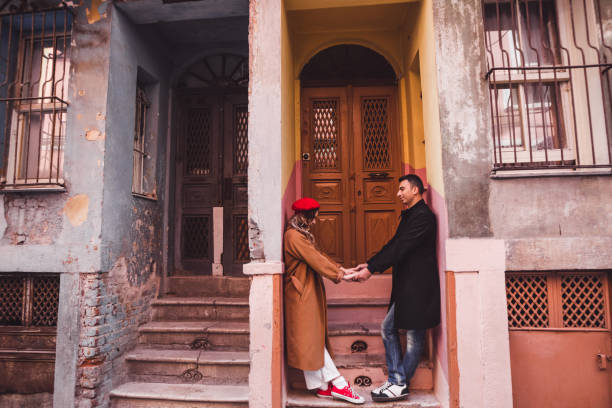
x,y
40,10
558,67
35,98
14,82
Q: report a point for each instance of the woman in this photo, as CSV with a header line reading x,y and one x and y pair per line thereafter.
x,y
306,306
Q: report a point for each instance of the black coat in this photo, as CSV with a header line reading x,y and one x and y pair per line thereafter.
x,y
412,254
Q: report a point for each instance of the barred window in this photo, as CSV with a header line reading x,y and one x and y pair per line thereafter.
x,y
34,68
29,301
140,147
550,84
557,300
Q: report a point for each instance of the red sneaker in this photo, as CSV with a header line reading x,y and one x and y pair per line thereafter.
x,y
325,393
347,394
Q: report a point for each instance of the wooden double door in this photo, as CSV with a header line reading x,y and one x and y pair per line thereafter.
x,y
351,162
211,165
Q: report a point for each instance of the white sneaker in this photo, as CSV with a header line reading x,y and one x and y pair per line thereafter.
x,y
390,392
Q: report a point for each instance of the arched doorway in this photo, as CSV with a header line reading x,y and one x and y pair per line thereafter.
x,y
211,163
350,139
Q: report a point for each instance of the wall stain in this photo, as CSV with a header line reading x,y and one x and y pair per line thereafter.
x,y
76,209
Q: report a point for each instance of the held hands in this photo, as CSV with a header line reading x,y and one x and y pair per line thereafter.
x,y
359,273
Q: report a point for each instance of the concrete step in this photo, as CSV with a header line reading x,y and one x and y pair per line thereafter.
x,y
209,286
201,308
349,338
366,310
208,335
367,371
305,399
188,366
155,395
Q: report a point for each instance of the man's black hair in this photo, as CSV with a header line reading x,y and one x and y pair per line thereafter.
x,y
415,181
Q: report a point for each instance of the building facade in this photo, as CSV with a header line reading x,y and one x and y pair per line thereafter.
x,y
150,152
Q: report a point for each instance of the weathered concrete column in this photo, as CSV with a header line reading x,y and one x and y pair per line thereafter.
x,y
483,348
265,203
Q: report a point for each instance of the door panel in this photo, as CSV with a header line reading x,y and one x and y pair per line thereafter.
x,y
197,180
326,167
559,325
376,149
235,198
211,171
350,146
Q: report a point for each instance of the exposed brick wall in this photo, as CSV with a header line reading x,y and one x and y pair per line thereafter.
x,y
111,311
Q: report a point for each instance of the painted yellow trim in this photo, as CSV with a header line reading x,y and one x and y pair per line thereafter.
x,y
403,97
291,5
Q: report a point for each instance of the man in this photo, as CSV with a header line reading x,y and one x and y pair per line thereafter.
x,y
415,292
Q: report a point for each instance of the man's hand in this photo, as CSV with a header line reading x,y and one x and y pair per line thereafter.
x,y
361,275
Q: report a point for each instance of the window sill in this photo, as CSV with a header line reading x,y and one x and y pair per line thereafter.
x,y
145,197
509,174
33,189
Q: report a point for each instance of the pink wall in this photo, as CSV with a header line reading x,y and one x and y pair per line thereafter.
x,y
436,202
438,205
293,191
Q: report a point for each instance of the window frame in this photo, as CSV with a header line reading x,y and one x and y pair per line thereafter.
x,y
21,108
571,116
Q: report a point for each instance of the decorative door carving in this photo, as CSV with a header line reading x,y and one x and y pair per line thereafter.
x,y
211,171
351,162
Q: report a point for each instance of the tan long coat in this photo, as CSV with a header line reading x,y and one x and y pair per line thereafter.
x,y
305,302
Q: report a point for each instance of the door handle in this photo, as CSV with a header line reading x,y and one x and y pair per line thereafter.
x,y
380,175
602,360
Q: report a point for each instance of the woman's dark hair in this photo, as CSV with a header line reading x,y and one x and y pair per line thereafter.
x,y
310,214
415,181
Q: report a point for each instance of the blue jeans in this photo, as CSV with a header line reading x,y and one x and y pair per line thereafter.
x,y
401,369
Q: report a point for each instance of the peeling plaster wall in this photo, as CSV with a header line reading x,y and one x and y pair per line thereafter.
x,y
464,118
116,300
478,206
132,226
56,231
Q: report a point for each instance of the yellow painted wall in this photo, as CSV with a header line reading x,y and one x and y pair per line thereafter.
x,y
399,32
287,108
424,117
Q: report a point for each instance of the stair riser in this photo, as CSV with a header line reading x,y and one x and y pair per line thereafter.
x,y
422,380
183,340
226,287
341,344
200,312
149,403
171,373
365,314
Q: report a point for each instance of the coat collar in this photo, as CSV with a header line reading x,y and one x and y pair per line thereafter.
x,y
407,211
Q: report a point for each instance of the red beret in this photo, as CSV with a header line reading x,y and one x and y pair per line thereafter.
x,y
305,204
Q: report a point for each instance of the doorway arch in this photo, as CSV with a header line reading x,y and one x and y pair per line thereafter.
x,y
351,148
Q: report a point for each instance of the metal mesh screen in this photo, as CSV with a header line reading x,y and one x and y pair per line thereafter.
x,y
29,300
45,301
12,291
375,130
241,236
583,301
197,143
325,134
196,232
241,141
527,299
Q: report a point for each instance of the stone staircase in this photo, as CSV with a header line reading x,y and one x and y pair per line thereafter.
x,y
355,312
195,351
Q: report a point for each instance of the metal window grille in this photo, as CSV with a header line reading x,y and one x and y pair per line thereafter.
x,y
557,300
29,301
34,67
550,83
140,147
